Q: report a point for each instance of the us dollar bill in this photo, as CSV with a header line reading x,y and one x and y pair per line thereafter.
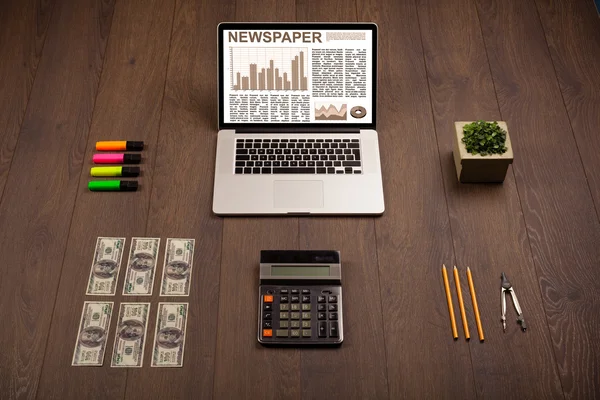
x,y
130,336
93,332
169,339
105,266
177,269
139,277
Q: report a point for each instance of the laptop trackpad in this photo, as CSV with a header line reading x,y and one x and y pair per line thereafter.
x,y
298,194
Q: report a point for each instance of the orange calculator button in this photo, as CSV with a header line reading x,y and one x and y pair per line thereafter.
x,y
267,332
268,298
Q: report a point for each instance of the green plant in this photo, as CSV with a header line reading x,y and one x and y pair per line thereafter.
x,y
481,137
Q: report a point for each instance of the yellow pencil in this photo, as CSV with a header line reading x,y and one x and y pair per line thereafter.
x,y
461,304
475,307
449,299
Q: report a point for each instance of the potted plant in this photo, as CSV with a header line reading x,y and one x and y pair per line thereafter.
x,y
482,151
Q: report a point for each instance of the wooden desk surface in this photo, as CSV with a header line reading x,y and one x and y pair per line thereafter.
x,y
74,72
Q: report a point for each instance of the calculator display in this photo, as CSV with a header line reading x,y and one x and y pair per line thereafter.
x,y
280,270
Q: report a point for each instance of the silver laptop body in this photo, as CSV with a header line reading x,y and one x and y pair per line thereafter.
x,y
297,120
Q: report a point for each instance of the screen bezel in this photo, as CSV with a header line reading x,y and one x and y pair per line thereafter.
x,y
295,127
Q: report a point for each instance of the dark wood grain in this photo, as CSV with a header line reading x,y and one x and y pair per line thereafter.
x,y
461,89
532,63
572,30
413,236
182,197
35,213
127,107
23,27
559,212
355,370
243,368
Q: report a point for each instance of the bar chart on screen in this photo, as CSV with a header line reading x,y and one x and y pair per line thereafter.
x,y
281,68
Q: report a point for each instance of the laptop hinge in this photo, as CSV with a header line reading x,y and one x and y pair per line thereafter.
x,y
264,129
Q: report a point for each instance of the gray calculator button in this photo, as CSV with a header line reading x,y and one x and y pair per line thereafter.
x,y
322,329
295,315
284,307
306,307
294,324
284,315
295,307
333,329
281,333
305,315
305,324
284,324
295,333
306,332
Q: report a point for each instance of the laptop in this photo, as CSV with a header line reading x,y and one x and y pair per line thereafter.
x,y
297,113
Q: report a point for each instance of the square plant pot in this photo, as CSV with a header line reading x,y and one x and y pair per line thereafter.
x,y
475,168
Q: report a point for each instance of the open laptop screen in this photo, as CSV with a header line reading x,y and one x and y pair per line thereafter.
x,y
285,75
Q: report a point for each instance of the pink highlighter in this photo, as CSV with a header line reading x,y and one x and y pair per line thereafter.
x,y
117,158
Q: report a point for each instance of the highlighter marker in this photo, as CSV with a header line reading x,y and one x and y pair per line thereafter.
x,y
118,186
115,171
117,158
120,145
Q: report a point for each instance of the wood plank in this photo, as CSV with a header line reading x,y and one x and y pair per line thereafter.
x,y
461,89
561,220
573,35
128,107
244,369
35,215
362,374
23,27
182,198
355,370
413,236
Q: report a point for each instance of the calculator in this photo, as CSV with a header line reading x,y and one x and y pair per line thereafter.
x,y
300,298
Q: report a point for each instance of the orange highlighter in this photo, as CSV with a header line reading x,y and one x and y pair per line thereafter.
x,y
120,145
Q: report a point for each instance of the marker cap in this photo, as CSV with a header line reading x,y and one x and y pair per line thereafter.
x,y
134,146
132,158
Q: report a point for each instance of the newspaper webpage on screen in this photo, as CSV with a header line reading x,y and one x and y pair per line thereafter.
x,y
298,76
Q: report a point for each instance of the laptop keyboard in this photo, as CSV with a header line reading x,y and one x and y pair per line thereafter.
x,y
297,156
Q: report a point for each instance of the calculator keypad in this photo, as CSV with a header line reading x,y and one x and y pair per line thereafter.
x,y
300,315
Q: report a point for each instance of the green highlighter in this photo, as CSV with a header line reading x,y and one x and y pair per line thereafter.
x,y
112,186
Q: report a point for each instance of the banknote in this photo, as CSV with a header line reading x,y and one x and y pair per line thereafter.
x,y
93,331
105,267
130,337
141,266
177,270
169,339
